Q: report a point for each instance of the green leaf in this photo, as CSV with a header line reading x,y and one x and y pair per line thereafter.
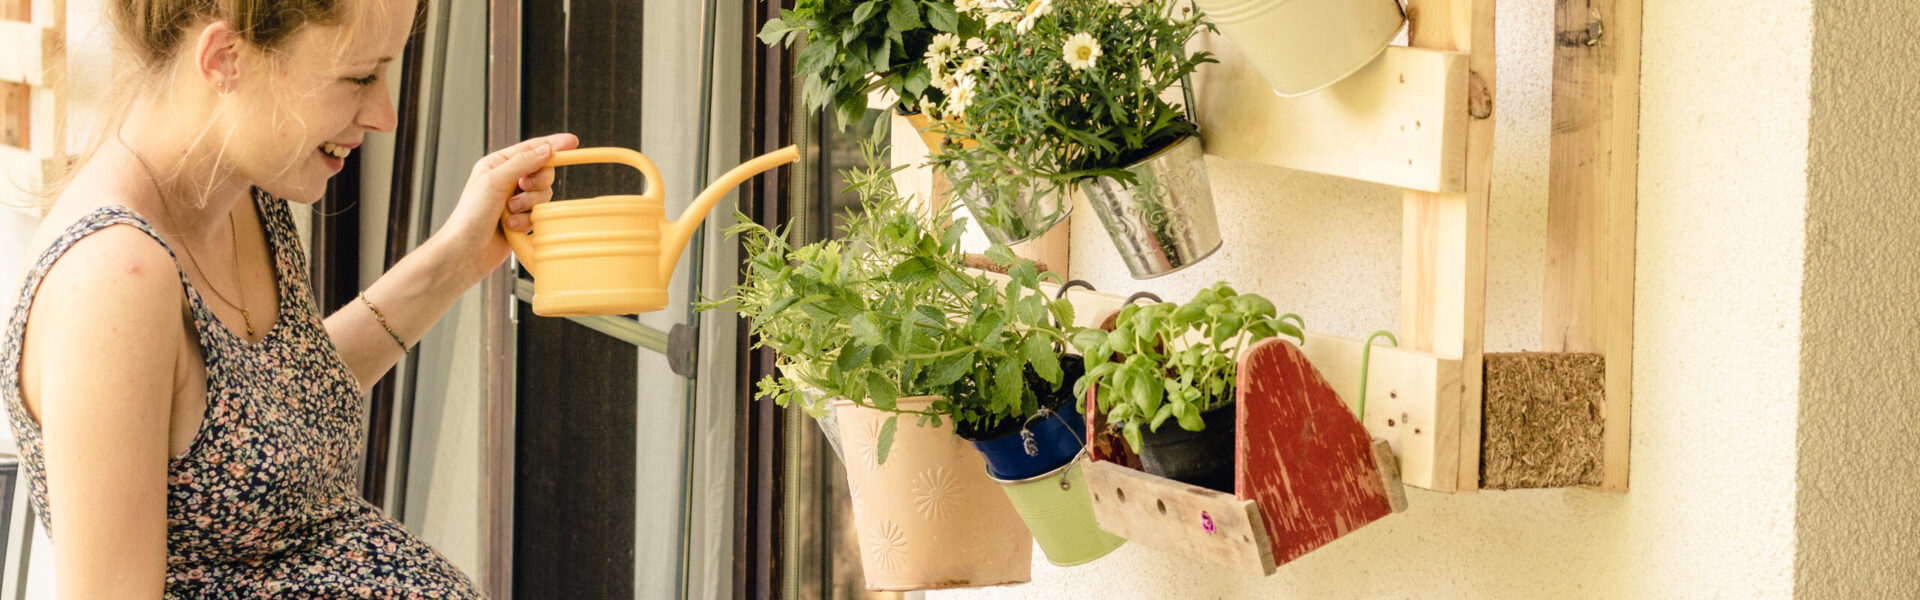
x,y
1001,255
1089,341
852,357
1166,412
775,29
904,15
931,314
918,78
865,331
865,11
950,369
1190,419
885,443
1045,361
943,17
882,390
1132,433
1025,274
1062,312
1008,380
914,270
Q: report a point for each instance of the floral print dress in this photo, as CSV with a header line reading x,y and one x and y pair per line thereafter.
x,y
264,503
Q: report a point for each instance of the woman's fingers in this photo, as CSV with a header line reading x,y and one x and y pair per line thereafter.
x,y
558,141
539,180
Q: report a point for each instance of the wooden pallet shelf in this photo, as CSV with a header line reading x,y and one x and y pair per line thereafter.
x,y
27,51
1399,121
32,73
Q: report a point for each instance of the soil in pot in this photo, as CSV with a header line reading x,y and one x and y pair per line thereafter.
x,y
1203,458
1057,439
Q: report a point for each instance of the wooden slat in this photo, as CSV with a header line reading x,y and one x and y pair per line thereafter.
x,y
1167,515
1444,268
1399,121
26,51
1588,302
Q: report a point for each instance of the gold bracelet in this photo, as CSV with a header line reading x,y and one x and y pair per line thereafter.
x,y
383,322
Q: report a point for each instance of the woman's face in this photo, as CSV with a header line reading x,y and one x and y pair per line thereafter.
x,y
312,101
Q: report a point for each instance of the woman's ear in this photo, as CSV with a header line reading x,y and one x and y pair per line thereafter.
x,y
216,56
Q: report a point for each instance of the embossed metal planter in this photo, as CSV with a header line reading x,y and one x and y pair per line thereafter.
x,y
1164,222
1012,209
929,517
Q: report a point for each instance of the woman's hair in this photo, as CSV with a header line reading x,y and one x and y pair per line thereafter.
x,y
152,30
148,35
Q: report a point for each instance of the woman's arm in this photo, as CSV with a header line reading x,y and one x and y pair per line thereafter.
x,y
111,328
421,287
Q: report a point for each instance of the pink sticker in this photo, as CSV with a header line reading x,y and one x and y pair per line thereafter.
x,y
1206,522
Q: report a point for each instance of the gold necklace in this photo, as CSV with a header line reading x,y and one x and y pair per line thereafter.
x,y
245,317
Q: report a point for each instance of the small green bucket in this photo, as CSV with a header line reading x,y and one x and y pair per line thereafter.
x,y
1059,512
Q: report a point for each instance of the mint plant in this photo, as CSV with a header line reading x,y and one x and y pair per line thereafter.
x,y
889,311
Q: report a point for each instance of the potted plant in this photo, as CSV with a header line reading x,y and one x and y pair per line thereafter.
x,y
853,48
1072,95
848,320
1163,362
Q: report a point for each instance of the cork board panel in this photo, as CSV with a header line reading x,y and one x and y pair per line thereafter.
x,y
1543,420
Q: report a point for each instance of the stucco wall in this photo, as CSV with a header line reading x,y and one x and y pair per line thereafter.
x,y
1722,207
1857,517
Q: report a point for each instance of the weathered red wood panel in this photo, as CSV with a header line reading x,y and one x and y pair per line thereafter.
x,y
1301,454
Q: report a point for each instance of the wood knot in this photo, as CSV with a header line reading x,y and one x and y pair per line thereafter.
x,y
1581,38
1479,97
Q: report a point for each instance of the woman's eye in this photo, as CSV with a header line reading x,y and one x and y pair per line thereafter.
x,y
364,81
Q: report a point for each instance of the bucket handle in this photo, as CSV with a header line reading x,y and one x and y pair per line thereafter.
x,y
523,245
1366,356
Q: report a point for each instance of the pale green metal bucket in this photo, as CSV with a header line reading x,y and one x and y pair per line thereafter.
x,y
1058,509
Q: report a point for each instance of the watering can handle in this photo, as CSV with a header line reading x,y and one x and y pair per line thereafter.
x,y
523,246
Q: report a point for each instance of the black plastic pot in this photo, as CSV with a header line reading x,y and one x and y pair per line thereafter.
x,y
1203,458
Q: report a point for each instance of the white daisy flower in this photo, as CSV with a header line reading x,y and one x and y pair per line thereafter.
x,y
972,65
1080,51
976,44
971,7
1035,10
943,44
1001,17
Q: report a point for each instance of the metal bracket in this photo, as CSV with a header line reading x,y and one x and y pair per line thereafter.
x,y
683,345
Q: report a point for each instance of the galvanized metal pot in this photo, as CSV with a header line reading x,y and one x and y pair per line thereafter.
x,y
1012,210
1165,221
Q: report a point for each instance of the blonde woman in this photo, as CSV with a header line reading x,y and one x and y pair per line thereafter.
x,y
188,421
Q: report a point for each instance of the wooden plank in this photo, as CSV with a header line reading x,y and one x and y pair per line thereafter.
x,y
27,51
1301,454
16,118
1588,302
1399,121
1444,265
1389,467
1174,517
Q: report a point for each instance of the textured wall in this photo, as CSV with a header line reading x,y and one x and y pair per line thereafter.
x,y
1722,207
1857,517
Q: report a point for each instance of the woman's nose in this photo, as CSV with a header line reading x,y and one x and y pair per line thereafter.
x,y
376,110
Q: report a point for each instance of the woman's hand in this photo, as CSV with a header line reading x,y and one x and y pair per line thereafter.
x,y
515,179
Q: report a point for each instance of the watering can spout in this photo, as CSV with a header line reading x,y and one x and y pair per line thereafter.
x,y
675,234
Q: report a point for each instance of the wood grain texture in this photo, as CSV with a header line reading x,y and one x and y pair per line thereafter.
x,y
27,50
1390,475
1444,264
1301,454
1184,519
1399,121
1588,300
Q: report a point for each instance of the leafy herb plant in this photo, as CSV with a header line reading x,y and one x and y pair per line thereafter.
x,y
1165,361
889,311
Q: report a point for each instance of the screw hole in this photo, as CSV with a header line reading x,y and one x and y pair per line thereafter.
x,y
1389,422
1393,394
1162,504
1416,431
1121,494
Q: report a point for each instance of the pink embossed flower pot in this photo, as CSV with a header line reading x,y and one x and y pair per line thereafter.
x,y
929,518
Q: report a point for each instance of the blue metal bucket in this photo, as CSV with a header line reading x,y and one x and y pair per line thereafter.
x,y
1055,440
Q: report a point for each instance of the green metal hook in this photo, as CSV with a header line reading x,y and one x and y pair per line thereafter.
x,y
1366,357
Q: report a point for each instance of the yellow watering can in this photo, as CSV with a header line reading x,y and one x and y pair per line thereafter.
x,y
613,255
